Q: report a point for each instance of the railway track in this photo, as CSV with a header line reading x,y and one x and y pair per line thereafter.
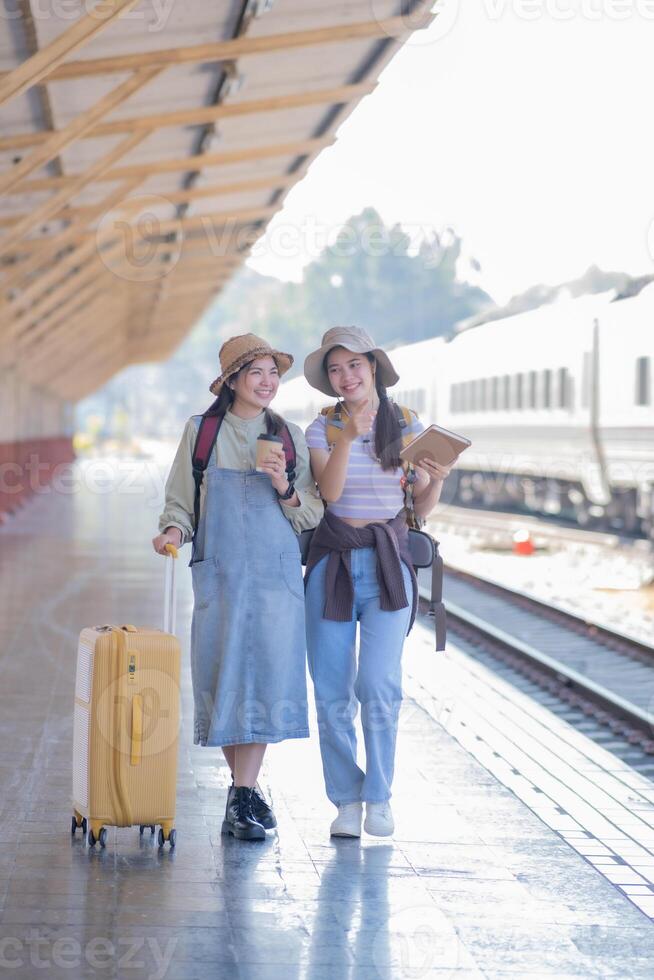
x,y
473,521
597,679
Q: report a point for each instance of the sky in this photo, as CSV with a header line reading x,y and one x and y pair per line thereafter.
x,y
524,125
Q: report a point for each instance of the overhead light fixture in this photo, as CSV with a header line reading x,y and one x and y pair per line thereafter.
x,y
212,140
256,8
233,80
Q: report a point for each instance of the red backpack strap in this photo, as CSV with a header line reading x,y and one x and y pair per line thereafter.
x,y
202,450
205,441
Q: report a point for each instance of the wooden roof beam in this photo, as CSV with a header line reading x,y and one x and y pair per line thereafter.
x,y
38,258
42,64
200,222
197,162
94,363
52,142
390,27
53,348
182,117
50,303
54,205
30,220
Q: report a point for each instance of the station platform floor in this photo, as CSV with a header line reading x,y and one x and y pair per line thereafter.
x,y
475,882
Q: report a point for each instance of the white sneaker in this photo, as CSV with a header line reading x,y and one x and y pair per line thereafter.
x,y
379,820
348,821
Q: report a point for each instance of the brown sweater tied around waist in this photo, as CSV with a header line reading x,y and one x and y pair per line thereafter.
x,y
336,538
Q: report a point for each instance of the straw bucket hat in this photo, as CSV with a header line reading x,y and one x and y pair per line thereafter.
x,y
240,350
356,340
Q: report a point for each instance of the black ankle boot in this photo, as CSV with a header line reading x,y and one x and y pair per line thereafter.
x,y
262,810
239,818
230,798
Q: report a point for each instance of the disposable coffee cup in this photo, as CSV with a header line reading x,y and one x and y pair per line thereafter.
x,y
264,446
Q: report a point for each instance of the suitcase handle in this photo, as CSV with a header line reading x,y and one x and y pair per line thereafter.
x,y
169,590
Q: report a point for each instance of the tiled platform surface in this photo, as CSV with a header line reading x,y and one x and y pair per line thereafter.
x,y
473,884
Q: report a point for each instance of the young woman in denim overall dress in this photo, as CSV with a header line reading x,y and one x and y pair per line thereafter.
x,y
248,630
359,569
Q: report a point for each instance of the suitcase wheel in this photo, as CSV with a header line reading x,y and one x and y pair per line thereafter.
x,y
101,839
78,823
172,837
142,827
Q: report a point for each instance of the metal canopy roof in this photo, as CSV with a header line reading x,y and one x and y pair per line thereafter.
x,y
143,149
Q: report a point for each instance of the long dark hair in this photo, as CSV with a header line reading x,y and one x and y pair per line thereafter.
x,y
388,435
225,400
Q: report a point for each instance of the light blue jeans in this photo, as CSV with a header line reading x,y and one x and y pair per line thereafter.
x,y
342,683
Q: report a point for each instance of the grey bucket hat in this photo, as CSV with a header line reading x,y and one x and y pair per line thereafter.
x,y
356,340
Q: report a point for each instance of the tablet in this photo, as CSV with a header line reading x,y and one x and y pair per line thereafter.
x,y
435,443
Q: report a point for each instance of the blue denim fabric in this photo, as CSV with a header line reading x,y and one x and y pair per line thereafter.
x,y
248,662
342,683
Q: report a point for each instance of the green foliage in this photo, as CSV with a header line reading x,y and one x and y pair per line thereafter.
x,y
370,276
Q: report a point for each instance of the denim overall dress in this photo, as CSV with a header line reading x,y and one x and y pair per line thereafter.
x,y
248,650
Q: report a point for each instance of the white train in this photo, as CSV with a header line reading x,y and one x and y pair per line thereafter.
x,y
558,403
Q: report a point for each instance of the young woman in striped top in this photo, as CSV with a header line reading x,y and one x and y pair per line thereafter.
x,y
359,569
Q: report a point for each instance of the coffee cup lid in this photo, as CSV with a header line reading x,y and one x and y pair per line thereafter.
x,y
264,435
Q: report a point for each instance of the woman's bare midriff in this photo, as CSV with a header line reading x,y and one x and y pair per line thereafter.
x,y
362,521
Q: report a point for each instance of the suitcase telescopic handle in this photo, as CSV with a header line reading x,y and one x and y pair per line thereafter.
x,y
169,589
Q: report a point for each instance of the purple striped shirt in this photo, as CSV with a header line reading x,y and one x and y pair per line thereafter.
x,y
369,491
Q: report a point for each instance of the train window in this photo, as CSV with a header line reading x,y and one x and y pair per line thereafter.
x,y
563,387
518,391
483,394
453,400
495,393
643,381
506,391
547,388
533,389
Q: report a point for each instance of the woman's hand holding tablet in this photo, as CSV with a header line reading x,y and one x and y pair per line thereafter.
x,y
435,445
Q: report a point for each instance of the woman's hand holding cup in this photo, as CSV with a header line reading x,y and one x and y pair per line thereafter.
x,y
274,464
272,461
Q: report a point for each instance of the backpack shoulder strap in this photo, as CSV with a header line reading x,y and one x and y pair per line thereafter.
x,y
205,441
204,444
335,423
407,422
289,452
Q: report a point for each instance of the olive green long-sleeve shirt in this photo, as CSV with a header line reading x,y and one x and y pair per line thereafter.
x,y
235,449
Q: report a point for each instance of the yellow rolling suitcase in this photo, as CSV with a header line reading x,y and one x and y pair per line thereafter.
x,y
126,725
